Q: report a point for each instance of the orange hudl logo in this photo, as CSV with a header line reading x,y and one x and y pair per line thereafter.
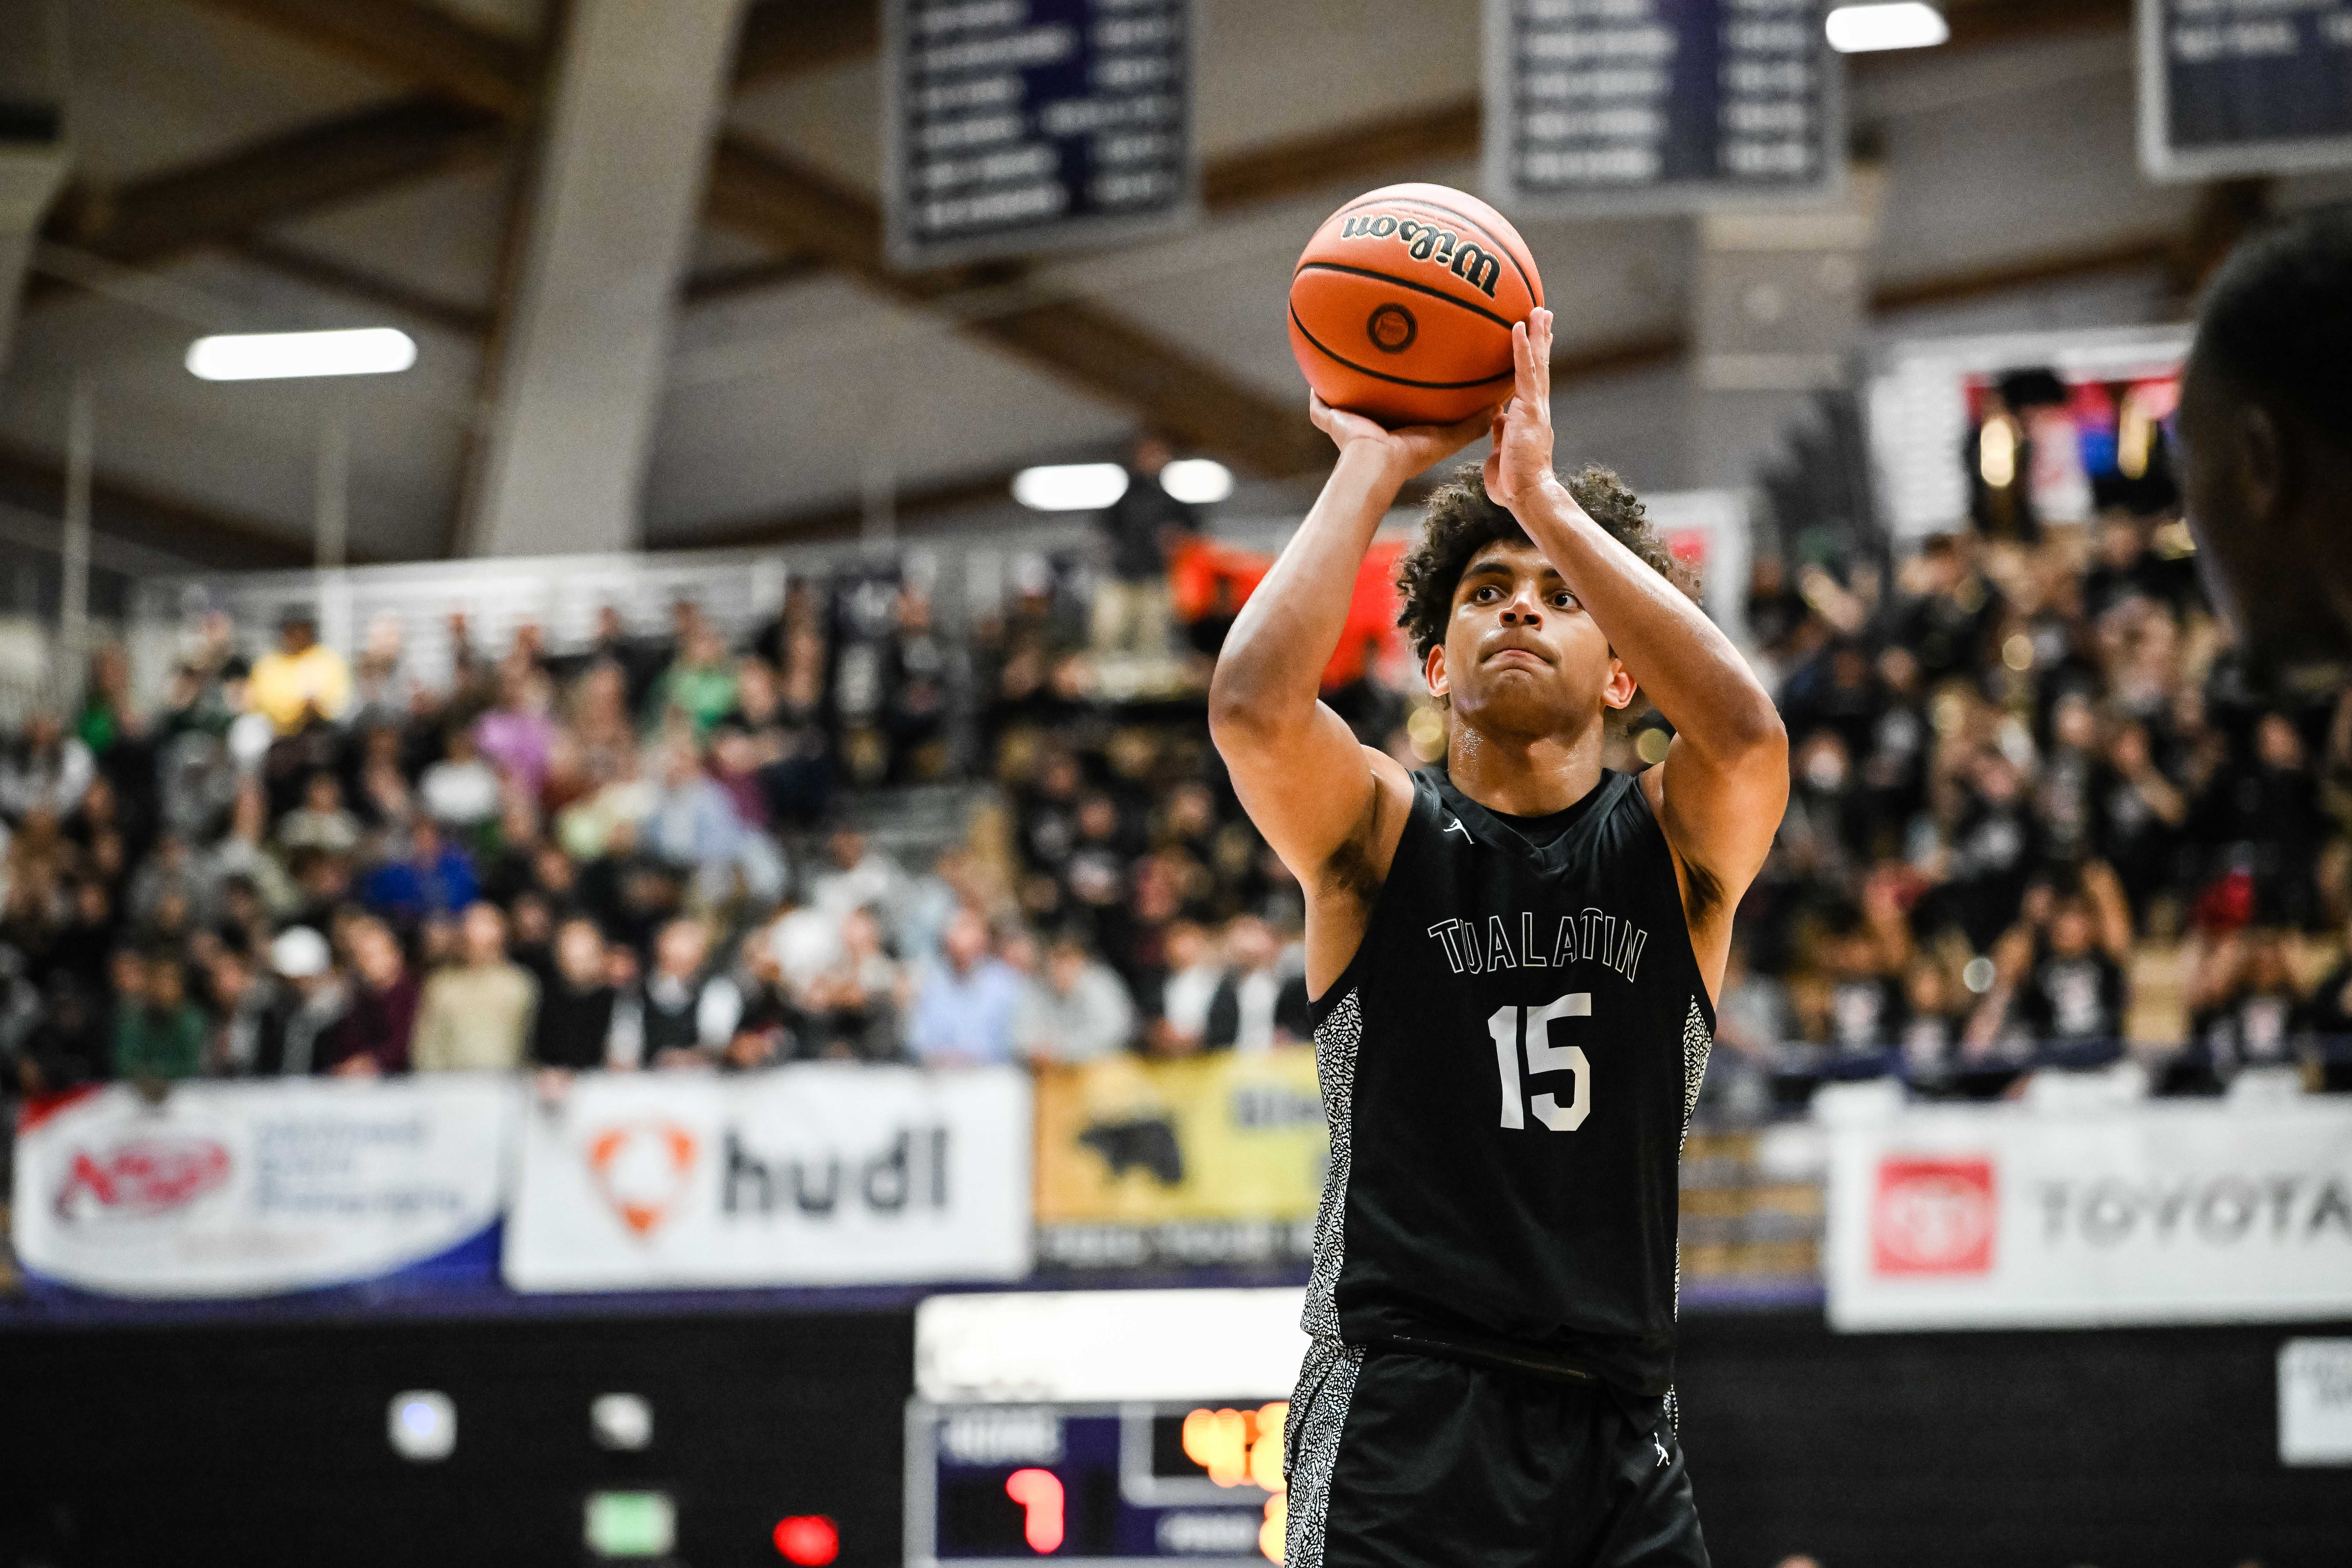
x,y
642,1169
1933,1216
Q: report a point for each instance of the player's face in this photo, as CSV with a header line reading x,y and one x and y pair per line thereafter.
x,y
1521,657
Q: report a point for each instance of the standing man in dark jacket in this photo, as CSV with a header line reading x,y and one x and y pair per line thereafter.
x,y
1130,612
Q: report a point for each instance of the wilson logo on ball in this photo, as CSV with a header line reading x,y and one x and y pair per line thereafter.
x,y
1471,262
1403,303
1391,329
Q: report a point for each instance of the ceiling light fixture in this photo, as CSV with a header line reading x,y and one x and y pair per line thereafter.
x,y
272,356
1902,24
1069,487
1197,481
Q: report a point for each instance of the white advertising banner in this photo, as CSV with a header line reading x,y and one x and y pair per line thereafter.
x,y
2003,1217
816,1174
254,1189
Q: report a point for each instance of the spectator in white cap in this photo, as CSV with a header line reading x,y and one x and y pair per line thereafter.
x,y
314,1001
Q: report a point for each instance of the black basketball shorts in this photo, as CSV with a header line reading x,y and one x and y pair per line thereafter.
x,y
1400,1460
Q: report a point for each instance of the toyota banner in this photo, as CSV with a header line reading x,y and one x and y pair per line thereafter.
x,y
258,1189
814,1174
2168,1211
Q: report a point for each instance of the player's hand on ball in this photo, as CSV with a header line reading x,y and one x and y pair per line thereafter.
x,y
1520,460
1407,450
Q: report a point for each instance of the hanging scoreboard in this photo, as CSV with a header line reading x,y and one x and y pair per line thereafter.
x,y
2244,87
1013,126
1628,106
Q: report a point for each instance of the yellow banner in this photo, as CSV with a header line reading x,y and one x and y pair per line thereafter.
x,y
1219,1137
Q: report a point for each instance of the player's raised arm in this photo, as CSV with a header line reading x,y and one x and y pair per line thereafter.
x,y
1306,782
1724,782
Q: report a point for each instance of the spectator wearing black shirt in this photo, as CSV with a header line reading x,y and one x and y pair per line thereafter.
x,y
2269,806
574,1025
2329,1021
2248,1011
2072,993
1130,609
1934,1016
688,1011
2136,815
1996,844
69,1044
1946,626
1894,759
1826,830
1837,690
1862,1013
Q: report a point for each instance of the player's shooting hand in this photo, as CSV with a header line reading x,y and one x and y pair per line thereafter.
x,y
1520,460
1405,451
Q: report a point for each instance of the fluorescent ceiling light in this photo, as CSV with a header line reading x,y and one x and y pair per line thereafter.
x,y
268,356
1069,487
1904,25
1197,481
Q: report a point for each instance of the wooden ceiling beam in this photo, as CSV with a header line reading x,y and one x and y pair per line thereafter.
x,y
228,199
2123,255
1366,150
306,266
785,37
409,40
1981,23
717,283
131,512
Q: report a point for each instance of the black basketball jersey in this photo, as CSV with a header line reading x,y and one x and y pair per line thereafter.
x,y
1508,1065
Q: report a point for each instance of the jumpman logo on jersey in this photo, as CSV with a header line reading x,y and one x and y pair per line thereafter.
x,y
1455,826
1661,1448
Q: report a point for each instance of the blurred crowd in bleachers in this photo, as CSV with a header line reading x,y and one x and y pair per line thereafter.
x,y
644,852
2037,818
2039,813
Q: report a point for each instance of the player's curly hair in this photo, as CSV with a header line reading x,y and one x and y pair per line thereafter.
x,y
1462,520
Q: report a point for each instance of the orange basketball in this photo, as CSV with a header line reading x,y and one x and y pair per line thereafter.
x,y
1402,304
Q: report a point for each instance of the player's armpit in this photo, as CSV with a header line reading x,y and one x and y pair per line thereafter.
x,y
1720,809
1309,787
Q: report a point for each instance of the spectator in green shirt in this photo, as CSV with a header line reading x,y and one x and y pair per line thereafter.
x,y
700,683
158,1032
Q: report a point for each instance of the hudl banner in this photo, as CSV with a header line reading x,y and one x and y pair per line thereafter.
x,y
254,1189
2004,1216
815,1174
1216,1159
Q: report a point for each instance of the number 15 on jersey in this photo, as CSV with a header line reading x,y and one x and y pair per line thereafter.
x,y
1507,1026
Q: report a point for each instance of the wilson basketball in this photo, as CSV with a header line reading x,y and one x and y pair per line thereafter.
x,y
1401,307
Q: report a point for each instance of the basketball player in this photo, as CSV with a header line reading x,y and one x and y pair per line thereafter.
x,y
1513,958
2266,434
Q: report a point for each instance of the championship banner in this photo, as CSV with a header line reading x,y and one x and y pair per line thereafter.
x,y
814,1174
1214,1159
2237,87
254,1189
1627,106
2158,1213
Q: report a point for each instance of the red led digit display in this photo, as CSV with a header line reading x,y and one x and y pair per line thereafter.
x,y
1039,1493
